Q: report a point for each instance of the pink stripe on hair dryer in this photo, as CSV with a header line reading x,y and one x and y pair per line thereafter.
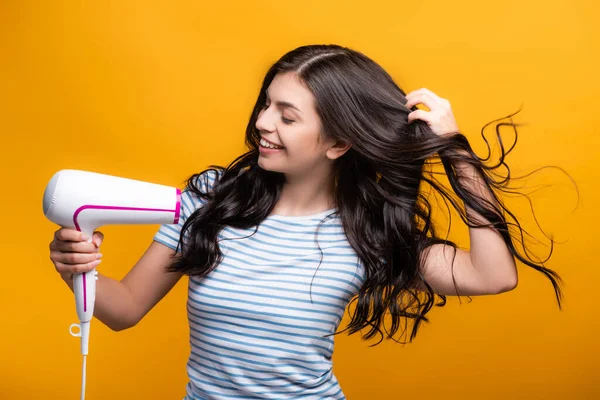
x,y
86,200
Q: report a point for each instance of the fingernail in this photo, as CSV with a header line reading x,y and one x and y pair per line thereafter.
x,y
99,255
96,262
84,236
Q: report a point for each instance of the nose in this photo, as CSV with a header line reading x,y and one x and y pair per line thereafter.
x,y
265,121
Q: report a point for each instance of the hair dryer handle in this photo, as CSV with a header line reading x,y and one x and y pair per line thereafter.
x,y
84,286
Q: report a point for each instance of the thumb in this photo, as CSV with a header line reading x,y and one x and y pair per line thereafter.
x,y
97,238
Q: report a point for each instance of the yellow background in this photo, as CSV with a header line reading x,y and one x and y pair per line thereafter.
x,y
157,90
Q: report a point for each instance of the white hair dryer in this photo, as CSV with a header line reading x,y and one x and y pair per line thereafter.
x,y
84,201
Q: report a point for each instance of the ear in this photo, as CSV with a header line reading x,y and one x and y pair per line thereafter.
x,y
338,149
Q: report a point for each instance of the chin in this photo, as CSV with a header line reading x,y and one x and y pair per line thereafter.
x,y
268,166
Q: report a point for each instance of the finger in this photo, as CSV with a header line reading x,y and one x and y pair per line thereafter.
x,y
66,269
74,247
426,92
419,114
422,98
429,93
97,238
72,235
420,91
74,258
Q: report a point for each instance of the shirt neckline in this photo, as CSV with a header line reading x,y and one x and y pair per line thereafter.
x,y
319,215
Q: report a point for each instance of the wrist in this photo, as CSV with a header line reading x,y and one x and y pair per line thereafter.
x,y
68,279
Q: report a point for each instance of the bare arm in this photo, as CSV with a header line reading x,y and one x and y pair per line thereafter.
x,y
488,268
119,304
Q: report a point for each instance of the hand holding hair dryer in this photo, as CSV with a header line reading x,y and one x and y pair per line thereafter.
x,y
84,201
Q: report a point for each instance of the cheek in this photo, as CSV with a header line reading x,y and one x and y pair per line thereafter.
x,y
302,140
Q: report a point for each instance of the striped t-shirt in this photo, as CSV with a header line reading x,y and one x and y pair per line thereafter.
x,y
258,321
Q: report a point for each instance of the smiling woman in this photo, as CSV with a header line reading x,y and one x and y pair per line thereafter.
x,y
353,154
326,209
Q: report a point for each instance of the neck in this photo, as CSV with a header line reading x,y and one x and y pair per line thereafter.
x,y
305,195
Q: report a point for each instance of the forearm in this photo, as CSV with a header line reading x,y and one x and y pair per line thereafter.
x,y
114,305
490,256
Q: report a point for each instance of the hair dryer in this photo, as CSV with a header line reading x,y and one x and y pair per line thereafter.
x,y
86,200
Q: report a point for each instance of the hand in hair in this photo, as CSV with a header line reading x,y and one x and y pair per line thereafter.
x,y
489,266
439,117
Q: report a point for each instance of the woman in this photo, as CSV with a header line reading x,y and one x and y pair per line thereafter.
x,y
325,211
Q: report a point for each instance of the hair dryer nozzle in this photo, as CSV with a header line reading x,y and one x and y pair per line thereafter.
x,y
86,200
49,192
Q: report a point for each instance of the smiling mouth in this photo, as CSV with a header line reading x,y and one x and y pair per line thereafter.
x,y
269,145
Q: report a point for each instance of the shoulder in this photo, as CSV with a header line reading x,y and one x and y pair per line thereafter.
x,y
198,188
204,181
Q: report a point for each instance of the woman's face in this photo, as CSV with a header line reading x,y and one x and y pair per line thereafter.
x,y
289,122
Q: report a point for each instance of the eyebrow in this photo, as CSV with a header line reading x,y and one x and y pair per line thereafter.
x,y
285,104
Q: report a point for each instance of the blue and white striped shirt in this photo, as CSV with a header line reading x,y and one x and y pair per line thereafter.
x,y
258,321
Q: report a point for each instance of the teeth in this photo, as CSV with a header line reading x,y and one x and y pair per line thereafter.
x,y
268,145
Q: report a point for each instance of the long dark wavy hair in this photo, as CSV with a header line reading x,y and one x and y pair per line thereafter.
x,y
379,188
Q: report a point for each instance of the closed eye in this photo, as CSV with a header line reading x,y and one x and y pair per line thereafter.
x,y
286,121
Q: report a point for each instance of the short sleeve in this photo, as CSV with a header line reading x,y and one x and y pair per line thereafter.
x,y
168,234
